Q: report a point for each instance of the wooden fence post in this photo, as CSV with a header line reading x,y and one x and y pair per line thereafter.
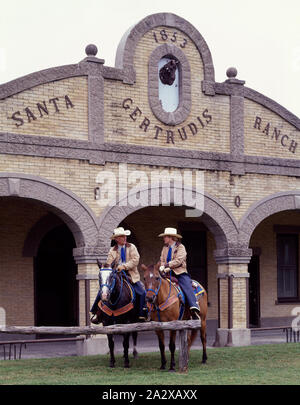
x,y
183,351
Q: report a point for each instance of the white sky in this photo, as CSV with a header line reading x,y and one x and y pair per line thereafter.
x,y
261,38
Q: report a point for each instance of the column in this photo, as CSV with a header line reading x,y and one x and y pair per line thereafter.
x,y
87,290
88,285
233,302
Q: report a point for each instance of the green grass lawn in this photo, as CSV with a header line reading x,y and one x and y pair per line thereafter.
x,y
267,364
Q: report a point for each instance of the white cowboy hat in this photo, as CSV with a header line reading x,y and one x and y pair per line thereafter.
x,y
170,232
120,232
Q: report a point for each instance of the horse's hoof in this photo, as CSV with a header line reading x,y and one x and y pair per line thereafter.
x,y
172,370
203,361
135,354
162,367
126,365
112,365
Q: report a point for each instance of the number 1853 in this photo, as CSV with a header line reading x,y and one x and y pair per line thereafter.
x,y
163,35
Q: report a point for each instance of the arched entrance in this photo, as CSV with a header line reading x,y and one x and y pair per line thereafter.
x,y
271,228
44,229
55,285
215,216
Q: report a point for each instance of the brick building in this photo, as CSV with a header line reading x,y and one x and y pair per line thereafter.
x,y
62,129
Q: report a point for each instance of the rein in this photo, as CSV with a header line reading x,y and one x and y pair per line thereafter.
x,y
125,308
165,304
112,286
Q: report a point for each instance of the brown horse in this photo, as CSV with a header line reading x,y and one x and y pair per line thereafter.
x,y
162,297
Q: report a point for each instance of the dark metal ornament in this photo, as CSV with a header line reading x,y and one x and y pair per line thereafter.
x,y
167,73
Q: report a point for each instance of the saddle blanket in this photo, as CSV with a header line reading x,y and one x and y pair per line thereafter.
x,y
197,287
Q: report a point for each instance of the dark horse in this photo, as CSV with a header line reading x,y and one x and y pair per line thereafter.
x,y
117,306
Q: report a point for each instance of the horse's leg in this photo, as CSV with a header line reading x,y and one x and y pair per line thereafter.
x,y
111,350
134,338
203,339
126,347
191,338
172,348
161,341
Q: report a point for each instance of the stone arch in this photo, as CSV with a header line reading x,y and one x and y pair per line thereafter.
x,y
74,212
129,41
282,201
215,216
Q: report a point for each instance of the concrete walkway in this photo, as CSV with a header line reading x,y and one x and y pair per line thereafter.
x,y
147,342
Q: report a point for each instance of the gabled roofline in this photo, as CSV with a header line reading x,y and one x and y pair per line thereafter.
x,y
124,67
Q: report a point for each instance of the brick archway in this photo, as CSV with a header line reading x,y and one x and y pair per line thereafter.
x,y
65,204
215,216
285,200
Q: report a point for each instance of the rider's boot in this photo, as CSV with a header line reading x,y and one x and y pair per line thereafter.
x,y
195,312
143,316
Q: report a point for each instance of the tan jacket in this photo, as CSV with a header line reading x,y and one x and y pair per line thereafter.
x,y
132,260
178,260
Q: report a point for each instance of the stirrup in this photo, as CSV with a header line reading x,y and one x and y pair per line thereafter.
x,y
195,312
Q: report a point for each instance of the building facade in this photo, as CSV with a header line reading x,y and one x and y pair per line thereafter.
x,y
70,136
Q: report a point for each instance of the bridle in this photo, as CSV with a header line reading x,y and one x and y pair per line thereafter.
x,y
155,292
113,284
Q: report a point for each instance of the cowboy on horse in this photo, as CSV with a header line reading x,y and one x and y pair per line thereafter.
x,y
173,258
124,256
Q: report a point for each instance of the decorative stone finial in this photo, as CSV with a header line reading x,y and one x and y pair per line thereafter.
x,y
231,72
91,50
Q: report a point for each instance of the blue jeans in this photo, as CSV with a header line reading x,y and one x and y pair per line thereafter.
x,y
185,282
140,298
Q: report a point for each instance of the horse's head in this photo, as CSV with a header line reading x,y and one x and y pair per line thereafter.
x,y
152,280
107,280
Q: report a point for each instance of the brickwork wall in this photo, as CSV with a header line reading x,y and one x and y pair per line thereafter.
x,y
261,138
80,177
67,122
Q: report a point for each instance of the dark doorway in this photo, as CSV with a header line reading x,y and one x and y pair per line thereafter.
x,y
56,295
254,296
195,244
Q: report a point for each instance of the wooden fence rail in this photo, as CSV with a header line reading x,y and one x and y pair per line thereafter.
x,y
181,326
